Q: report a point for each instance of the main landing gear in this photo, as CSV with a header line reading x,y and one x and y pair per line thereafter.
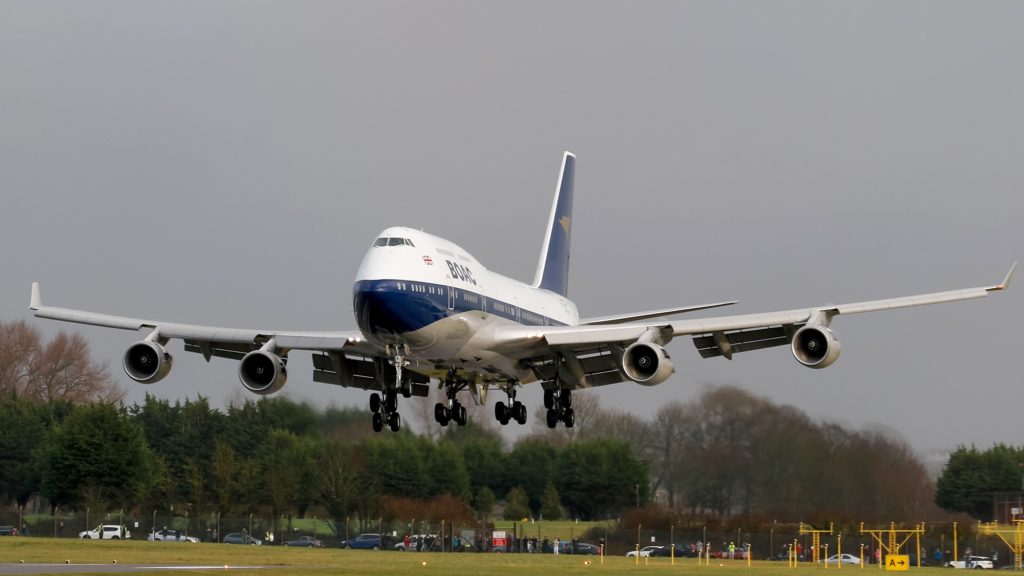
x,y
453,411
385,412
385,408
513,410
558,401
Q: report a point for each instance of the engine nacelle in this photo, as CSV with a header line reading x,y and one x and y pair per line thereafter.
x,y
815,346
262,372
146,362
647,364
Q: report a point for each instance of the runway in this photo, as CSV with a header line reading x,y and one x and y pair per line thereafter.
x,y
9,568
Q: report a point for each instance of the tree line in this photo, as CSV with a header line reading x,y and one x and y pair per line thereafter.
x,y
279,458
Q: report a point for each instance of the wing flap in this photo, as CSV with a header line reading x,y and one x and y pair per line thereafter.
x,y
711,345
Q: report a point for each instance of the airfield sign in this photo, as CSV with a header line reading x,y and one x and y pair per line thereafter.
x,y
897,562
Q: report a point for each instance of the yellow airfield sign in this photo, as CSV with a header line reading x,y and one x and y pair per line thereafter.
x,y
896,562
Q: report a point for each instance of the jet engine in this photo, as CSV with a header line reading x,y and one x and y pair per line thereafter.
x,y
815,346
647,364
262,372
146,362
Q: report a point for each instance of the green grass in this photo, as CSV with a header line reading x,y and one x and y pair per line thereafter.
x,y
295,562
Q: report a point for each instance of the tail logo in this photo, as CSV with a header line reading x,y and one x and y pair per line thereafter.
x,y
564,221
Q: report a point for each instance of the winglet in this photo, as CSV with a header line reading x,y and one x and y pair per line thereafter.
x,y
36,301
1006,281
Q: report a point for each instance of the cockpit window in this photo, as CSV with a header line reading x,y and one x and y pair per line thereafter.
x,y
393,242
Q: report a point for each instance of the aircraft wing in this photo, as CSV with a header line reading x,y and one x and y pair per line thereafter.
x,y
593,353
340,358
291,340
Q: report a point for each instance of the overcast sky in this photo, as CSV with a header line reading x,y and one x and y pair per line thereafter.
x,y
228,163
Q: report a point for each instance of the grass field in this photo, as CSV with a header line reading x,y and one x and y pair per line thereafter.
x,y
288,561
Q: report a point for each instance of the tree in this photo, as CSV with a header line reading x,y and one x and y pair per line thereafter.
x,y
284,468
971,477
484,502
550,505
516,504
532,463
23,427
340,480
223,475
60,369
598,478
99,452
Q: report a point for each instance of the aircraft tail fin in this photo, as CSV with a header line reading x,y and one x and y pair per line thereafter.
x,y
553,268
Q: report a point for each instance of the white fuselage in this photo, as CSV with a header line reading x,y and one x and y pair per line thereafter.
x,y
435,300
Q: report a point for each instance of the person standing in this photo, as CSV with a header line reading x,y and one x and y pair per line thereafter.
x,y
557,545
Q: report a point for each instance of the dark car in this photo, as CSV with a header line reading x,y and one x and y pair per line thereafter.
x,y
8,531
239,538
364,542
305,542
584,548
666,551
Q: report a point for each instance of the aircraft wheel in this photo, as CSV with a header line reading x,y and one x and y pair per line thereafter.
x,y
378,422
463,417
395,422
439,412
569,418
374,402
501,413
391,401
406,389
552,418
519,409
565,398
549,399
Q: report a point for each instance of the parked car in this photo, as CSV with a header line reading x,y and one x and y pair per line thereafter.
x,y
975,562
106,532
305,542
166,535
239,538
644,552
666,551
8,531
837,559
364,542
582,548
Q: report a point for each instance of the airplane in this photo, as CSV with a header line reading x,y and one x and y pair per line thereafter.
x,y
428,311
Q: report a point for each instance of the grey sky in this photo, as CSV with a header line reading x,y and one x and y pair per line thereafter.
x,y
229,162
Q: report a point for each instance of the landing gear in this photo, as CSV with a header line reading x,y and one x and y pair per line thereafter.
x,y
385,411
453,411
385,407
558,401
512,410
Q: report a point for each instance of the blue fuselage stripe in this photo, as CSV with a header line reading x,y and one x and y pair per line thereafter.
x,y
389,307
